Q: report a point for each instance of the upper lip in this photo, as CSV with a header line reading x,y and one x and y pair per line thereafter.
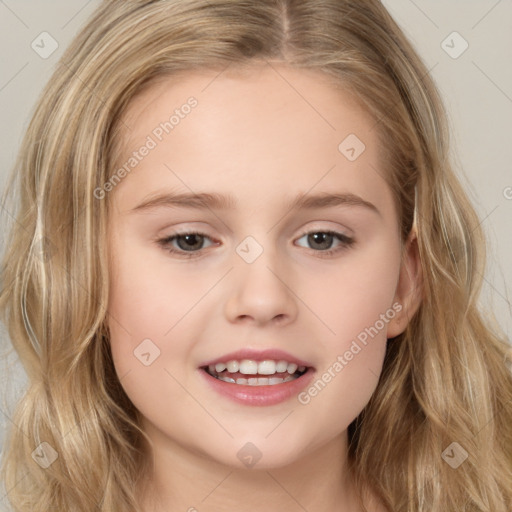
x,y
258,355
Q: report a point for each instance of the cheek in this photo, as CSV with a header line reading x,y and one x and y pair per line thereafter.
x,y
354,301
144,307
153,322
349,374
148,297
353,293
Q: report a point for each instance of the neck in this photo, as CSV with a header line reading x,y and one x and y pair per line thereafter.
x,y
319,480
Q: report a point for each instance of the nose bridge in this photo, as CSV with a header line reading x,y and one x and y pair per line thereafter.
x,y
259,287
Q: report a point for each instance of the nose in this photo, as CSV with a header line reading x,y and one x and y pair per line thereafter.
x,y
261,292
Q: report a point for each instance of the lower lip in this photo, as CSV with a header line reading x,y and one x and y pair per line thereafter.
x,y
259,395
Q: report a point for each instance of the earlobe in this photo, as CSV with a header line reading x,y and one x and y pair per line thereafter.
x,y
409,291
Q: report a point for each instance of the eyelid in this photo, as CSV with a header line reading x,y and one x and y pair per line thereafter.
x,y
345,242
166,241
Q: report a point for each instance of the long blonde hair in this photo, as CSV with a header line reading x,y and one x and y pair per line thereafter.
x,y
445,379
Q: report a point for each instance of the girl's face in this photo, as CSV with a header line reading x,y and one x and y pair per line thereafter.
x,y
264,274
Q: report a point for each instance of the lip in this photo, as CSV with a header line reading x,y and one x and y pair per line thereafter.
x,y
258,355
259,395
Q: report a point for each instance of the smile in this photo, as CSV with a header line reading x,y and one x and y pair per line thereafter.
x,y
236,372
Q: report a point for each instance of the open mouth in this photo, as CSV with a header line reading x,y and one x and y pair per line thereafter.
x,y
251,375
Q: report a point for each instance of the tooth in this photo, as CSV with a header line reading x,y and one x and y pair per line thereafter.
x,y
281,366
248,367
292,368
226,379
251,367
267,367
257,381
233,366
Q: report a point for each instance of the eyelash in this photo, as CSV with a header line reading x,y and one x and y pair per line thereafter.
x,y
346,242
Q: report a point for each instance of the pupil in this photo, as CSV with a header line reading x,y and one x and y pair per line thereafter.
x,y
188,238
317,238
321,235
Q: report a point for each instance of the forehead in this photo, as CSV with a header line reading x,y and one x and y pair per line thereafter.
x,y
263,97
272,126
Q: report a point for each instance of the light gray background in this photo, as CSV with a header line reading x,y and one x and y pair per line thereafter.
x,y
476,87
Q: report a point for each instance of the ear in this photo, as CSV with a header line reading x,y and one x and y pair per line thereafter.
x,y
409,290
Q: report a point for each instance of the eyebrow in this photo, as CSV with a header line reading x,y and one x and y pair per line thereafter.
x,y
203,200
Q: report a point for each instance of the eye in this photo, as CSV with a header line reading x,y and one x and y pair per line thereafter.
x,y
324,239
190,243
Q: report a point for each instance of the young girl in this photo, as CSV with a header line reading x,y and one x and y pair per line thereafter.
x,y
243,274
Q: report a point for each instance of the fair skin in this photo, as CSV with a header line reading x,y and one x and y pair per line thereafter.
x,y
264,142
